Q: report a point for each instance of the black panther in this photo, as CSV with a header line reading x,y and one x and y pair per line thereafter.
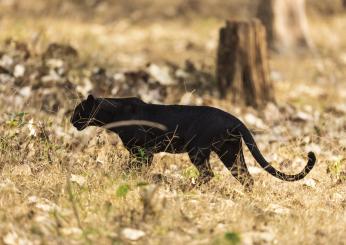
x,y
197,130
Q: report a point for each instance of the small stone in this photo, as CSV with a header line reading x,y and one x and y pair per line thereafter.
x,y
255,170
8,186
302,117
25,91
19,70
161,74
33,199
309,183
132,234
253,120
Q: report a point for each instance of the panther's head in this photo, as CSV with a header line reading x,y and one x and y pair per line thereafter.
x,y
83,113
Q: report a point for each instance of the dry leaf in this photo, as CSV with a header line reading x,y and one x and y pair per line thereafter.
x,y
31,127
12,238
8,186
277,209
257,237
68,231
161,74
23,169
80,180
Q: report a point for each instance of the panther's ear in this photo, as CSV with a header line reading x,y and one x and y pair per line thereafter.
x,y
90,98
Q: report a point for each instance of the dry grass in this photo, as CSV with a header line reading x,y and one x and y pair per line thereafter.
x,y
68,187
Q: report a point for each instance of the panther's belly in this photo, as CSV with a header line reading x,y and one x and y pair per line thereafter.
x,y
170,142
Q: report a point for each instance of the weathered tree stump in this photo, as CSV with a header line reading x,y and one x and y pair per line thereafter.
x,y
286,24
242,63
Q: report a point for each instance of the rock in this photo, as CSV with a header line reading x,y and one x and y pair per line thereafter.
x,y
132,234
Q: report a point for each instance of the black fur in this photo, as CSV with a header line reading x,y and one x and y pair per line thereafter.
x,y
197,130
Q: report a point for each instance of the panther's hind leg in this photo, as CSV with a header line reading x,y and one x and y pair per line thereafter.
x,y
240,171
231,154
200,158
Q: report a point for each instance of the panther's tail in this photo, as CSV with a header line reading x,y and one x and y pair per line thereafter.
x,y
251,144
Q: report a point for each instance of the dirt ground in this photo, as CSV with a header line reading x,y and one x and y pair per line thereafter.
x,y
60,186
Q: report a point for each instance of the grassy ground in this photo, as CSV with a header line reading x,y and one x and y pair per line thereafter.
x,y
59,186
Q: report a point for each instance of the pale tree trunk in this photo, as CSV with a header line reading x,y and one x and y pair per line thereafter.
x,y
286,24
242,63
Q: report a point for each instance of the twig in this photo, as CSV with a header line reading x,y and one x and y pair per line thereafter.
x,y
135,122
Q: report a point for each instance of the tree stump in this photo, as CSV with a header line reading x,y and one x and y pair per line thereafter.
x,y
242,63
286,24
